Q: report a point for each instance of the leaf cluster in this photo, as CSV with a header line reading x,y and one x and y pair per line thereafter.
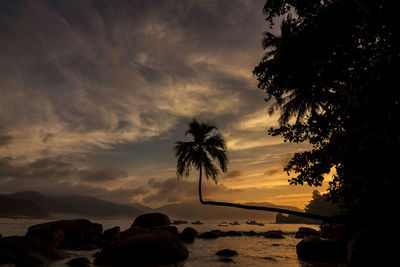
x,y
332,74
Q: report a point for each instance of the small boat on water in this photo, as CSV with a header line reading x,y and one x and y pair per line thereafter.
x,y
253,222
223,224
197,222
177,222
234,223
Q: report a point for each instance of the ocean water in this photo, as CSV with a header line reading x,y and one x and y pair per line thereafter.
x,y
253,250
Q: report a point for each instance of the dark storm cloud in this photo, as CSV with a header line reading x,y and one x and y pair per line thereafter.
x,y
91,63
44,168
58,168
5,139
102,174
174,190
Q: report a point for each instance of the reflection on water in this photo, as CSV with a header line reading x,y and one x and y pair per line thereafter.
x,y
253,250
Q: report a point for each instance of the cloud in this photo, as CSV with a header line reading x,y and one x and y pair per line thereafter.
x,y
116,75
106,173
273,171
233,174
174,190
5,139
58,168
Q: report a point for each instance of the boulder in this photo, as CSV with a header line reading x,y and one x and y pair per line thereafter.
x,y
138,247
317,249
306,231
372,247
188,234
250,233
172,229
70,234
209,235
7,258
79,262
226,253
26,251
111,234
47,234
277,234
88,247
151,220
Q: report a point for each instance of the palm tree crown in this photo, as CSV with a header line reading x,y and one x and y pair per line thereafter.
x,y
207,148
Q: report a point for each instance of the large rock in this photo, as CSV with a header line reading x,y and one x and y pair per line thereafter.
x,y
138,246
188,234
70,234
306,231
152,220
277,234
372,247
111,234
79,262
233,233
317,249
26,251
226,253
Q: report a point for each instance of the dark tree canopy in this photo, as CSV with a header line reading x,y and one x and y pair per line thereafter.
x,y
332,73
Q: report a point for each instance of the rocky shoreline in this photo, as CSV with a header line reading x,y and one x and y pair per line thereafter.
x,y
152,240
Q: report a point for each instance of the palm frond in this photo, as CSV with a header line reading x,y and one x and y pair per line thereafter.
x,y
210,171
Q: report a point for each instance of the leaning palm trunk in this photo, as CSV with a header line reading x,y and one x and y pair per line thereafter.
x,y
249,207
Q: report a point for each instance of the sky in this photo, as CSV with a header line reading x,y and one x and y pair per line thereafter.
x,y
95,93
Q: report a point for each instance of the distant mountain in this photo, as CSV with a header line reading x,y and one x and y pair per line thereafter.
x,y
10,207
196,210
78,205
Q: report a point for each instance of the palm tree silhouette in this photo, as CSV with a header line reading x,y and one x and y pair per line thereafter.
x,y
201,153
208,148
298,102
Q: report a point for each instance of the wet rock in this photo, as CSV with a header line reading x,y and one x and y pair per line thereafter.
x,y
315,248
226,253
88,247
277,234
7,257
138,246
188,234
111,234
209,235
70,234
250,233
233,233
47,234
79,262
372,246
171,228
306,231
151,220
29,261
26,251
